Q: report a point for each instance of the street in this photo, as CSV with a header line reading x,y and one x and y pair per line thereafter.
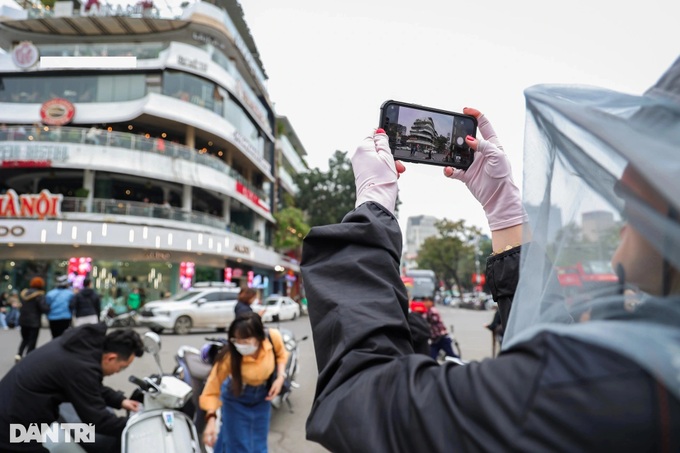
x,y
287,433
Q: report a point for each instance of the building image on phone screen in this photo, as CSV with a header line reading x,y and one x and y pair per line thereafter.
x,y
422,135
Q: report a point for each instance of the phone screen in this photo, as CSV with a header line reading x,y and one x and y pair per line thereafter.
x,y
427,135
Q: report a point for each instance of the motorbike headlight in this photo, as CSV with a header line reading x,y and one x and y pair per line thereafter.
x,y
286,338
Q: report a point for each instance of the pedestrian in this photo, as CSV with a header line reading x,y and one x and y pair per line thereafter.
x,y
86,305
70,369
607,384
240,384
246,297
33,306
92,135
59,301
4,308
439,336
134,300
13,313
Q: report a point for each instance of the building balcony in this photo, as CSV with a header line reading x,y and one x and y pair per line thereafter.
x,y
72,205
122,140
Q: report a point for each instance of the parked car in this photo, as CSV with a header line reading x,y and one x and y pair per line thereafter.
x,y
209,307
277,308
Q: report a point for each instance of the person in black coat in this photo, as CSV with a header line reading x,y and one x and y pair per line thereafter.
x,y
86,305
552,392
33,306
69,369
246,298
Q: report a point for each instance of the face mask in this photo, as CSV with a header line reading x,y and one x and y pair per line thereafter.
x,y
246,349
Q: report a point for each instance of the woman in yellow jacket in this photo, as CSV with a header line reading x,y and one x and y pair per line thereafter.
x,y
238,384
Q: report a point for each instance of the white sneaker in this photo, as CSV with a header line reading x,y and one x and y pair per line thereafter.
x,y
17,358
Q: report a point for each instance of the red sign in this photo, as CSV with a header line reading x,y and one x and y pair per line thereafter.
x,y
57,112
479,279
40,205
26,163
250,195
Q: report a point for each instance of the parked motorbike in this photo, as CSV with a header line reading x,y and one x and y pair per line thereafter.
x,y
111,318
194,365
292,368
160,426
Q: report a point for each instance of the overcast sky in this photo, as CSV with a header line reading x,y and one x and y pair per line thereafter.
x,y
332,64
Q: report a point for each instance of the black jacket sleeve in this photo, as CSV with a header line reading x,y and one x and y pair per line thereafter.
x,y
373,394
91,398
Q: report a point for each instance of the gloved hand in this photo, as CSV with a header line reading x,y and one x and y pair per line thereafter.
x,y
375,171
489,178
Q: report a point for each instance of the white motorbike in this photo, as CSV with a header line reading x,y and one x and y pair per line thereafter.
x,y
159,427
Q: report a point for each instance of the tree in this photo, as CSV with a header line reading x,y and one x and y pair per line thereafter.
x,y
451,253
291,229
327,196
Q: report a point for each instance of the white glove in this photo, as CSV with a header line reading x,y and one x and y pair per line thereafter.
x,y
375,172
489,178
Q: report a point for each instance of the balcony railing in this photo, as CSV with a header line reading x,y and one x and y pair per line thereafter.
x,y
124,140
151,210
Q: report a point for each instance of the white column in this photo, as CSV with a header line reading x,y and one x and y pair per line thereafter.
x,y
88,183
260,225
226,206
186,198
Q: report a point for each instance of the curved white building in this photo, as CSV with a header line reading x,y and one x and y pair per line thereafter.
x,y
153,140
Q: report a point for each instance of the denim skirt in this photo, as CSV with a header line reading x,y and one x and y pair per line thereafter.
x,y
245,420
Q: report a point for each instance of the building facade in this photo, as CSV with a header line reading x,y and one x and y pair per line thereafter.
x,y
418,228
137,148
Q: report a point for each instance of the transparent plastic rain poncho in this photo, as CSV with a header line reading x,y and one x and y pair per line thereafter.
x,y
579,142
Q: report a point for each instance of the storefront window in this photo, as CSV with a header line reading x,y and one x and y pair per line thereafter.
x,y
85,88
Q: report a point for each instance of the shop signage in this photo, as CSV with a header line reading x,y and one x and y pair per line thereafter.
x,y
247,146
244,96
157,255
57,112
15,231
41,205
250,195
12,153
207,39
242,249
25,55
192,63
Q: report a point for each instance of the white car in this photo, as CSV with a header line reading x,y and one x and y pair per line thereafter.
x,y
202,307
277,308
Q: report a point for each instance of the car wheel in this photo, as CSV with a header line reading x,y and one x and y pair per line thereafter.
x,y
157,330
182,325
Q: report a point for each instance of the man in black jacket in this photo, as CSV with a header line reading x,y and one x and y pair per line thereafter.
x,y
552,392
86,305
69,369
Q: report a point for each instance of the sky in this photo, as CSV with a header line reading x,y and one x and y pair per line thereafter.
x,y
332,64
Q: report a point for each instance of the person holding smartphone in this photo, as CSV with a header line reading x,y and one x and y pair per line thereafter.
x,y
563,382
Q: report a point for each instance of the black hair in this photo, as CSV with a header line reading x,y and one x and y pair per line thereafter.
x,y
124,342
246,325
86,282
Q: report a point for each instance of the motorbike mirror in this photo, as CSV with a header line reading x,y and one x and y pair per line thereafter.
x,y
152,343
